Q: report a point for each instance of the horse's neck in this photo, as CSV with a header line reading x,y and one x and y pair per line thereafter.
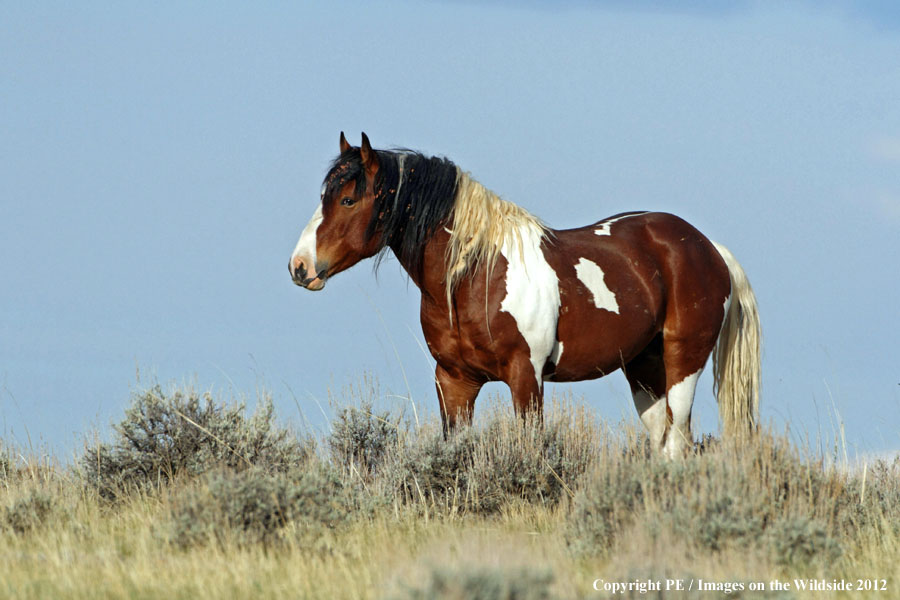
x,y
431,278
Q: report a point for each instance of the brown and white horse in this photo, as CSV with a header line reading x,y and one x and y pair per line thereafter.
x,y
505,298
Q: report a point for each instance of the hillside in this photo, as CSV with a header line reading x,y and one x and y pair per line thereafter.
x,y
195,497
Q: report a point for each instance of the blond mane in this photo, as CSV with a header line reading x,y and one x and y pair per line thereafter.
x,y
483,224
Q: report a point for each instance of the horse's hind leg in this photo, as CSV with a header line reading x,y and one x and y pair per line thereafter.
x,y
684,359
680,400
646,375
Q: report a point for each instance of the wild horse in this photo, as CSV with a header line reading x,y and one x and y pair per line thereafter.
x,y
506,298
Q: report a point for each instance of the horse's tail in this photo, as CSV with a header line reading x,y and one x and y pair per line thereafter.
x,y
736,358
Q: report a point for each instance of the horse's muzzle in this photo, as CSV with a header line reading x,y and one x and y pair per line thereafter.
x,y
300,275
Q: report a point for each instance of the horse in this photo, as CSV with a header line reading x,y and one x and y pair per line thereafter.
x,y
507,298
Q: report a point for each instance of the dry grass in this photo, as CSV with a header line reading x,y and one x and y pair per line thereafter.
x,y
385,508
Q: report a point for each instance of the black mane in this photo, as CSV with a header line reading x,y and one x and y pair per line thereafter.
x,y
414,194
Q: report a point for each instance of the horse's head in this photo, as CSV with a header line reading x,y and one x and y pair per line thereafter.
x,y
340,233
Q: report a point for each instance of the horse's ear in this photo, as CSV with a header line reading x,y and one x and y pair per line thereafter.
x,y
369,158
344,144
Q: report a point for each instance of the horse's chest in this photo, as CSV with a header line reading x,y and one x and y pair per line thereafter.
x,y
507,324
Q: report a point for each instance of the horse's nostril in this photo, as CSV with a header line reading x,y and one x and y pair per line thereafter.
x,y
298,269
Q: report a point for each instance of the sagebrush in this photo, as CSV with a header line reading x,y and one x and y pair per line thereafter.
x,y
182,433
194,496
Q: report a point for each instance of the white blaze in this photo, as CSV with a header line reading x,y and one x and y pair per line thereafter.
x,y
591,275
306,245
532,295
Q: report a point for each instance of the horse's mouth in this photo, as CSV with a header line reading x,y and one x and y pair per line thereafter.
x,y
314,283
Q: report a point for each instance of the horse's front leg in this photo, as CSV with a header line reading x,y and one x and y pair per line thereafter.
x,y
527,390
456,393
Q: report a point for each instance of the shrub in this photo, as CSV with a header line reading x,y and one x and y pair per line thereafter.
x,y
166,436
878,502
801,542
481,584
604,507
434,470
252,506
360,439
29,512
483,468
726,497
712,507
533,462
6,463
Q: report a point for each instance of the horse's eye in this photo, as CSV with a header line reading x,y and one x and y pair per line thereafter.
x,y
348,201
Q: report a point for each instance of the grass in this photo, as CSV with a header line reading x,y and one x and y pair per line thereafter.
x,y
193,498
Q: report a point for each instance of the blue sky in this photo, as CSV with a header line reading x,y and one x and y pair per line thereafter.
x,y
157,165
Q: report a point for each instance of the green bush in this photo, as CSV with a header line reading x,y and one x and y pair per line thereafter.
x,y
252,506
481,584
165,436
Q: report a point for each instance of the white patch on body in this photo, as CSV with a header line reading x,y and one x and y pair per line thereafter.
x,y
306,245
605,226
591,275
532,295
681,398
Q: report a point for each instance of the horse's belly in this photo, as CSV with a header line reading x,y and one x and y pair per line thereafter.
x,y
594,347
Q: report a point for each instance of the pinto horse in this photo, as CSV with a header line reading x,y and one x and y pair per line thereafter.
x,y
506,298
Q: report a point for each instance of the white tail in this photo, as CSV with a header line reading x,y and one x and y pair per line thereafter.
x,y
736,358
